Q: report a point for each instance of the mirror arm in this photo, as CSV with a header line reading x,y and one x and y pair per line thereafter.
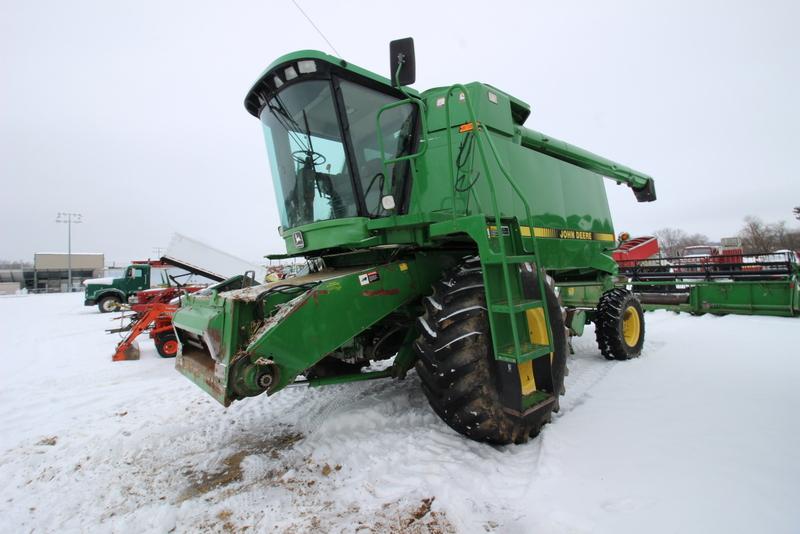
x,y
401,59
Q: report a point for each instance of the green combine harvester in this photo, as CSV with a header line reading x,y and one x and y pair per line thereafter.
x,y
440,234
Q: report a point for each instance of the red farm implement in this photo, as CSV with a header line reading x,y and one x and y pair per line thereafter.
x,y
631,251
152,311
157,318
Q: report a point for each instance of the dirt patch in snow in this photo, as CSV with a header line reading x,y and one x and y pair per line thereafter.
x,y
204,482
395,518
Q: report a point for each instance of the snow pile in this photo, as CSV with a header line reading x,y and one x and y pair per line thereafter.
x,y
106,281
698,435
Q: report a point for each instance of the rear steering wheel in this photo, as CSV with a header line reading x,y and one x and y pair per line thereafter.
x,y
301,156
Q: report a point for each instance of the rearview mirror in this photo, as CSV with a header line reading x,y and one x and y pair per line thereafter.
x,y
401,62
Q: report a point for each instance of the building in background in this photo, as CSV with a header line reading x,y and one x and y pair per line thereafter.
x,y
50,272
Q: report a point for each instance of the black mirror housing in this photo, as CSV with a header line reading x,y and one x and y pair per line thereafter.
x,y
401,52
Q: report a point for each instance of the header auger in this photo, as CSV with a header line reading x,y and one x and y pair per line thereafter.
x,y
439,232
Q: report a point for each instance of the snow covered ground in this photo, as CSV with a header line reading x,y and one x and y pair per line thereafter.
x,y
700,434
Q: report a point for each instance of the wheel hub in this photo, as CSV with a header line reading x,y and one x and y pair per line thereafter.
x,y
631,327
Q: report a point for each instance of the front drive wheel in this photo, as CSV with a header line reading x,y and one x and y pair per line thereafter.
x,y
166,344
619,325
456,363
109,303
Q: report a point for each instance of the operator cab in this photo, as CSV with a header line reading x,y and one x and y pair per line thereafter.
x,y
320,126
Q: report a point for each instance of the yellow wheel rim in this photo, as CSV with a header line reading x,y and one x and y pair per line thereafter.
x,y
631,326
537,331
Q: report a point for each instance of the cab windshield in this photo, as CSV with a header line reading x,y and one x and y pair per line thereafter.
x,y
326,167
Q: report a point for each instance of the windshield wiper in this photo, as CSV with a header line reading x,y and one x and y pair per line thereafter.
x,y
285,119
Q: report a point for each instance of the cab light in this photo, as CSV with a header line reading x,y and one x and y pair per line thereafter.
x,y
306,66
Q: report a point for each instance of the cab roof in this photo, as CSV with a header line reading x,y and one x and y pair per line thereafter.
x,y
255,99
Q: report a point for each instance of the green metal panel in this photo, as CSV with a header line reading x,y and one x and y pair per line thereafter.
x,y
795,295
199,315
328,234
562,196
581,296
338,309
583,158
741,297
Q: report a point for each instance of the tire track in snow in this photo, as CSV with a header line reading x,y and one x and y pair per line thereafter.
x,y
587,368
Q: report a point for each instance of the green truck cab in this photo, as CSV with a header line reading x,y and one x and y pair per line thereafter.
x,y
109,293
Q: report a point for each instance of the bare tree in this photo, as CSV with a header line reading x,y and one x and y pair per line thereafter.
x,y
796,212
18,264
787,238
696,239
669,240
758,236
673,240
793,241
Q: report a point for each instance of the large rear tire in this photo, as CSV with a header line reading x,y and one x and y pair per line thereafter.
x,y
456,363
619,325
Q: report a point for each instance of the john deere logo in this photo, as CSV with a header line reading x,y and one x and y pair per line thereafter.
x,y
298,240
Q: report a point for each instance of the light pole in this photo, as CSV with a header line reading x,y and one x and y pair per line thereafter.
x,y
69,219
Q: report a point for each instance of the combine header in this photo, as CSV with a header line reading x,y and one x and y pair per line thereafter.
x,y
438,230
745,284
718,279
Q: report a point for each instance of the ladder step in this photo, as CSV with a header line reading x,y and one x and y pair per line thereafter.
x,y
503,307
528,351
546,400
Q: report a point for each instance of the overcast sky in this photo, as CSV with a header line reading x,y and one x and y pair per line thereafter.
x,y
131,112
